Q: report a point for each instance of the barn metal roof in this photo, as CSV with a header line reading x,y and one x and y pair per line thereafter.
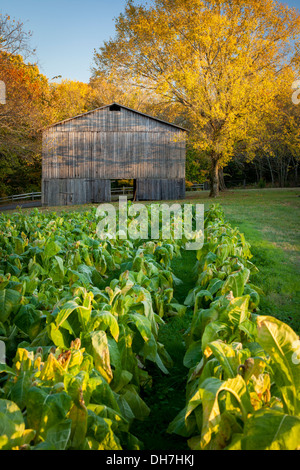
x,y
121,106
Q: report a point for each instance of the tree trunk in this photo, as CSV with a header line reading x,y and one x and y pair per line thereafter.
x,y
214,178
271,171
222,184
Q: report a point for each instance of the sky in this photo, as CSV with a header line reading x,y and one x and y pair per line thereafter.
x,y
66,32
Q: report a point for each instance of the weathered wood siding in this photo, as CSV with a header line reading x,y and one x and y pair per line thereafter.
x,y
64,192
160,189
104,145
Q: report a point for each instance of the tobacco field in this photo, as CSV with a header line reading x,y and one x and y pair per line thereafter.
x,y
80,319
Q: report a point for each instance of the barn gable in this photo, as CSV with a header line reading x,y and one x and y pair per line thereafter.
x,y
114,118
112,142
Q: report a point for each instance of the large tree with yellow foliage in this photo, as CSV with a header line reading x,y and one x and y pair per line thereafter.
x,y
219,60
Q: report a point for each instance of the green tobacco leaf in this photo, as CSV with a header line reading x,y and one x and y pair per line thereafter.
x,y
12,425
203,294
193,354
143,325
184,425
237,310
227,357
9,300
236,282
74,386
60,336
45,410
123,379
201,318
100,352
19,388
100,433
65,312
283,346
57,437
249,328
137,405
215,285
100,391
51,248
115,416
79,417
212,332
210,390
4,368
28,319
128,358
271,430
104,320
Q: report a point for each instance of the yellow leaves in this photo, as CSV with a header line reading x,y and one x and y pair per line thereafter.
x,y
217,59
69,98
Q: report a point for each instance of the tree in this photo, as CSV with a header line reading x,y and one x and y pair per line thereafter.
x,y
68,99
217,59
13,37
24,114
110,88
278,136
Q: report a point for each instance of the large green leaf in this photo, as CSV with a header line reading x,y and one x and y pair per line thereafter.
x,y
57,437
236,282
9,300
103,320
183,424
269,430
201,319
60,336
137,405
237,311
65,312
212,332
45,409
209,394
20,386
12,424
28,320
51,249
100,433
282,344
193,354
100,391
142,324
227,356
100,352
78,415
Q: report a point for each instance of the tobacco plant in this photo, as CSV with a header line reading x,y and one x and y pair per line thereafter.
x,y
79,317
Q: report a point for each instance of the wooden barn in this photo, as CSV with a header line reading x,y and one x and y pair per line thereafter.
x,y
82,155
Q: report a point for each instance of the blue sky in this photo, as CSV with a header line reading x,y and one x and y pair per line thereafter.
x,y
66,32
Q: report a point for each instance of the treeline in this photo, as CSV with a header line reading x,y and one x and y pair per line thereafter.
x,y
224,70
